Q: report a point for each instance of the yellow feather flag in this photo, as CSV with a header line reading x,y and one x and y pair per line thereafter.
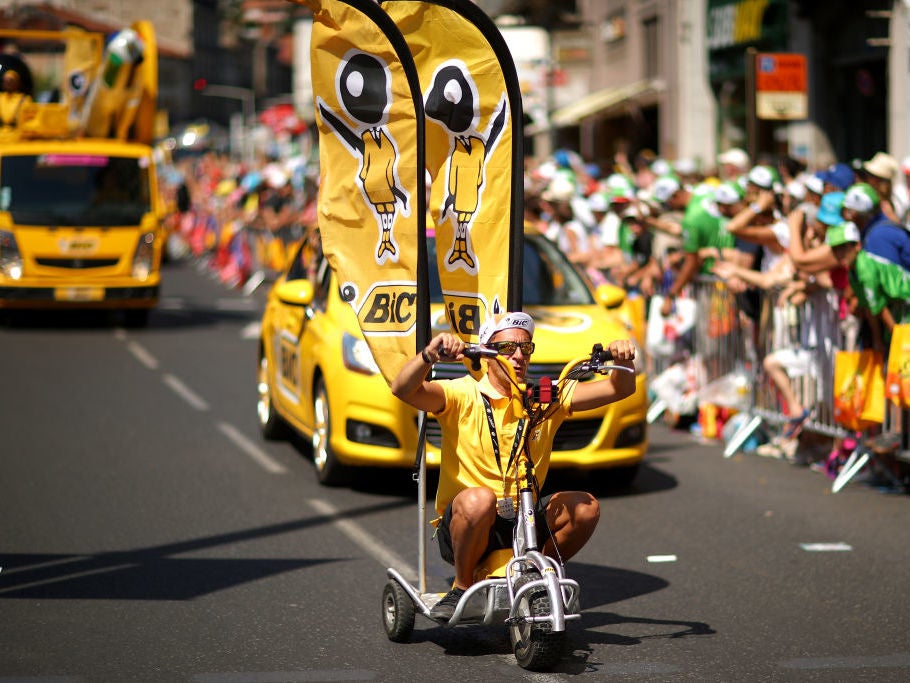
x,y
471,98
372,204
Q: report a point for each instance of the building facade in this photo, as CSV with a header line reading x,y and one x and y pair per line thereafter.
x,y
673,77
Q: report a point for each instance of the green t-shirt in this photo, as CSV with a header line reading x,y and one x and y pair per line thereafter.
x,y
703,226
878,282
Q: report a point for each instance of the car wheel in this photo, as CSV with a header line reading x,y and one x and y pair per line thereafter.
x,y
271,425
328,470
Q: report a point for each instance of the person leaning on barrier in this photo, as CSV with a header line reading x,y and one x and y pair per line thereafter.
x,y
701,225
477,496
878,261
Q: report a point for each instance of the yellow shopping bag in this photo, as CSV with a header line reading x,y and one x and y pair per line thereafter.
x,y
859,389
897,381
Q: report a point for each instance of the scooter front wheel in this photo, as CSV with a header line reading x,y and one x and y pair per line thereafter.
x,y
536,646
398,613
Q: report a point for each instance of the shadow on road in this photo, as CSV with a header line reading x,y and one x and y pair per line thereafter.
x,y
156,573
599,586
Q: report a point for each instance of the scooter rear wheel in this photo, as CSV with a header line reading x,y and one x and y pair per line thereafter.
x,y
398,613
536,646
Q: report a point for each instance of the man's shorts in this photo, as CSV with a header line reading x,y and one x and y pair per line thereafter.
x,y
500,534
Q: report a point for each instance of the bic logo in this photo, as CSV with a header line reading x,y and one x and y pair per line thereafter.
x,y
389,308
465,313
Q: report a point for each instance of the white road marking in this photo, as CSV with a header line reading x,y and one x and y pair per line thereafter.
x,y
252,330
184,392
898,660
661,558
69,577
142,355
234,304
825,547
385,557
285,676
266,461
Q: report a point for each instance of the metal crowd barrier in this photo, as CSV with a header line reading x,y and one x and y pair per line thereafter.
x,y
728,339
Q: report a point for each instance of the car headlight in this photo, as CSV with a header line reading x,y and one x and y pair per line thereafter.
x,y
357,356
144,256
10,258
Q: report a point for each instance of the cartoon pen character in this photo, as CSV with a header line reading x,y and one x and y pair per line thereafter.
x,y
363,86
452,101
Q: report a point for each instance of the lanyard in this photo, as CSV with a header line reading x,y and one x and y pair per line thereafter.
x,y
495,440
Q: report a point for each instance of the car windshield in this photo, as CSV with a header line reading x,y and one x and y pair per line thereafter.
x,y
74,189
549,279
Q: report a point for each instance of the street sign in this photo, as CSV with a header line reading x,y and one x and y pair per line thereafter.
x,y
781,86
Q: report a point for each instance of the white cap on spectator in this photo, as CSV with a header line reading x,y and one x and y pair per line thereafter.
x,y
685,166
735,157
814,184
560,189
726,193
598,202
796,190
761,176
665,187
661,167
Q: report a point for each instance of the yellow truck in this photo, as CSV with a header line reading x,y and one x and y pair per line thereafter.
x,y
80,212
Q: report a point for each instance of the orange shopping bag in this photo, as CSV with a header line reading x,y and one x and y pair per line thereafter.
x,y
859,389
897,381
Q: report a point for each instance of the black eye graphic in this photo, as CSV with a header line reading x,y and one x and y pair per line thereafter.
x,y
78,83
348,293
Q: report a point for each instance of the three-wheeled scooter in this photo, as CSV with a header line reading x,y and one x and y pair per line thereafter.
x,y
520,587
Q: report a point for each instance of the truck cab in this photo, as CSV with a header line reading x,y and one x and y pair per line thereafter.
x,y
80,211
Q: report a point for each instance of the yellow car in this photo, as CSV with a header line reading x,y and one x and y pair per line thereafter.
x,y
317,377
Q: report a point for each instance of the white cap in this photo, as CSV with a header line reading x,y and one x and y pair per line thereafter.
x,y
685,166
664,188
508,321
814,184
796,190
726,193
661,167
735,157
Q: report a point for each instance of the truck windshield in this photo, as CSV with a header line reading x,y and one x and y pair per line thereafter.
x,y
74,189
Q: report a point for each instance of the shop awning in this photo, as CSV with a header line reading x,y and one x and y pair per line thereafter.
x,y
600,103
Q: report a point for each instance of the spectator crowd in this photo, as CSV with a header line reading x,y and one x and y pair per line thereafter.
x,y
835,238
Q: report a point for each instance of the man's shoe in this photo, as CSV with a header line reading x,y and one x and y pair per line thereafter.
x,y
445,608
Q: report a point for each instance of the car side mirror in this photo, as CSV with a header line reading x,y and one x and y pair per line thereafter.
x,y
610,296
295,292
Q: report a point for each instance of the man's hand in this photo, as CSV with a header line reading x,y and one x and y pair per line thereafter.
x,y
622,349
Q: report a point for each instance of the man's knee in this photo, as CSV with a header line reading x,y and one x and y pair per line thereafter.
x,y
587,510
475,505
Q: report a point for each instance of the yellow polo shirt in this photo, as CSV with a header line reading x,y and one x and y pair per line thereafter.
x,y
467,456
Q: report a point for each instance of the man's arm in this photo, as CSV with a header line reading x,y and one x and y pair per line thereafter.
x,y
411,385
617,386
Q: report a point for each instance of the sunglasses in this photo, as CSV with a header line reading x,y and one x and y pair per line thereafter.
x,y
507,348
